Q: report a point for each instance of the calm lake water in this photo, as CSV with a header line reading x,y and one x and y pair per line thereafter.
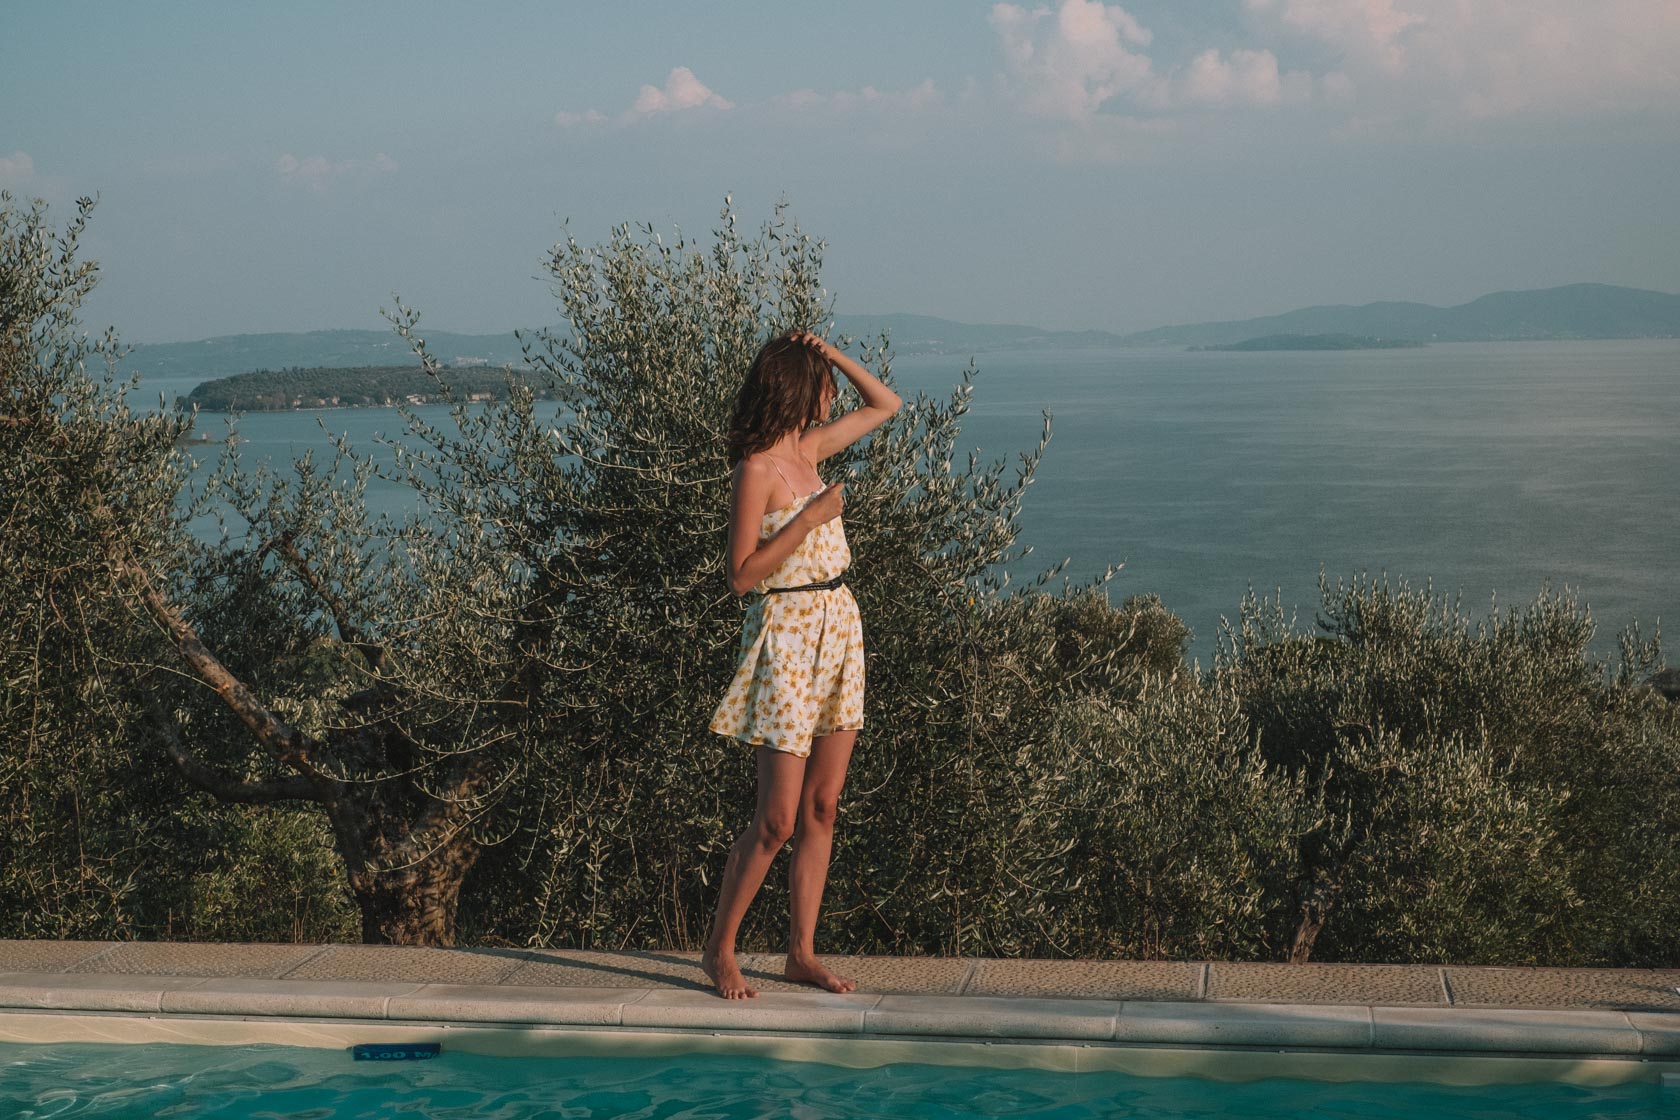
x,y
1486,468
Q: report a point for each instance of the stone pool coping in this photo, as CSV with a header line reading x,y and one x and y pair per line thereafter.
x,y
1564,1014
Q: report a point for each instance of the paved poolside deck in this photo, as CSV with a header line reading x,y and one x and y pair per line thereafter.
x,y
1575,1014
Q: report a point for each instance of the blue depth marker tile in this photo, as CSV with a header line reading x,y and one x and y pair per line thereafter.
x,y
395,1051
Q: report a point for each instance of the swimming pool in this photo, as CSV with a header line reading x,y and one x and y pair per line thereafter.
x,y
247,1082
1027,1038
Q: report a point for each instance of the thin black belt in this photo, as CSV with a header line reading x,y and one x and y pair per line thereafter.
x,y
825,585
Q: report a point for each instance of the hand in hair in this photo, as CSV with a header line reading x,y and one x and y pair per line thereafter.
x,y
879,403
828,352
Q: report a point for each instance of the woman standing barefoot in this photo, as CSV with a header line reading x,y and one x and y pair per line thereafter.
x,y
797,695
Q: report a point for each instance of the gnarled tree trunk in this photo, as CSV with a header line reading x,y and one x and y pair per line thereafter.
x,y
416,904
1313,916
406,847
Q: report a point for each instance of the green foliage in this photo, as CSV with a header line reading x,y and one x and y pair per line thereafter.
x,y
530,661
276,879
1490,794
1162,830
575,555
100,837
84,485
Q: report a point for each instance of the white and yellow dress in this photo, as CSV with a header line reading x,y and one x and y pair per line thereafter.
x,y
801,668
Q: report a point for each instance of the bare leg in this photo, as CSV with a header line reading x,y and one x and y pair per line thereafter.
x,y
780,778
819,799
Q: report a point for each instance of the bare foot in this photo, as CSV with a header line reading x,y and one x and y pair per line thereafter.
x,y
811,971
725,975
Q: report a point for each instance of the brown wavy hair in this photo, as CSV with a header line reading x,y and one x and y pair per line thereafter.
x,y
782,393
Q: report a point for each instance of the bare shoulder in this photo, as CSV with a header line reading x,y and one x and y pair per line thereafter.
x,y
757,485
754,468
753,479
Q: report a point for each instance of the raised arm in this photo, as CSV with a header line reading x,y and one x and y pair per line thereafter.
x,y
879,405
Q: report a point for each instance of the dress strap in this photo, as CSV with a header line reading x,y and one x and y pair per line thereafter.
x,y
784,477
791,490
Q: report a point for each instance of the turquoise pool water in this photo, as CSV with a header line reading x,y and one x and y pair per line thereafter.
x,y
273,1082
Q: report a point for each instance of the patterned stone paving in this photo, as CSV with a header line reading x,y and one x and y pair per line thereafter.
x,y
1632,990
1139,980
174,958
48,956
1387,984
1628,989
653,969
411,964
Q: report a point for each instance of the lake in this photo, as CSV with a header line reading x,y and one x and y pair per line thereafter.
x,y
1486,468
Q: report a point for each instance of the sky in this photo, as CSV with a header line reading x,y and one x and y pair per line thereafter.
x,y
277,167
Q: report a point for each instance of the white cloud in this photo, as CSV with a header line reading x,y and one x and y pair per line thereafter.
x,y
16,168
317,172
1070,63
1379,62
1373,33
1337,87
1492,58
682,91
1247,77
1086,58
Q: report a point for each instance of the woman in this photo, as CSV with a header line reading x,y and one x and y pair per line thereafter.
x,y
797,695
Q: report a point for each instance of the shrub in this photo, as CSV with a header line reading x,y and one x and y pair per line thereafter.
x,y
1163,830
274,877
1492,792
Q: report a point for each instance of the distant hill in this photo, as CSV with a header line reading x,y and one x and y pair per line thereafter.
x,y
925,334
242,353
1572,311
1316,342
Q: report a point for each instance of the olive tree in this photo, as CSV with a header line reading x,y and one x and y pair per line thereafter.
x,y
525,665
99,839
87,489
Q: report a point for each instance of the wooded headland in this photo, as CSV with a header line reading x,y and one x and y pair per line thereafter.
x,y
361,387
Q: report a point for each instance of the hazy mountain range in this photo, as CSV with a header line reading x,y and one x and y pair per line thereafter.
x,y
1572,311
1575,311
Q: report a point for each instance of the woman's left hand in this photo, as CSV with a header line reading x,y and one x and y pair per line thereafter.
x,y
816,342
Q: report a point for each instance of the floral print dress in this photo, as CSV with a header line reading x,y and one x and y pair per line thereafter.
x,y
801,667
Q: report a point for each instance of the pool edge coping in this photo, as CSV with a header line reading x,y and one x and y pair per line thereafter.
x,y
1218,1062
1353,1028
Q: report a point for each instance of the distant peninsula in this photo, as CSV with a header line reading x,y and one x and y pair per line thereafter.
x,y
282,390
1316,342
